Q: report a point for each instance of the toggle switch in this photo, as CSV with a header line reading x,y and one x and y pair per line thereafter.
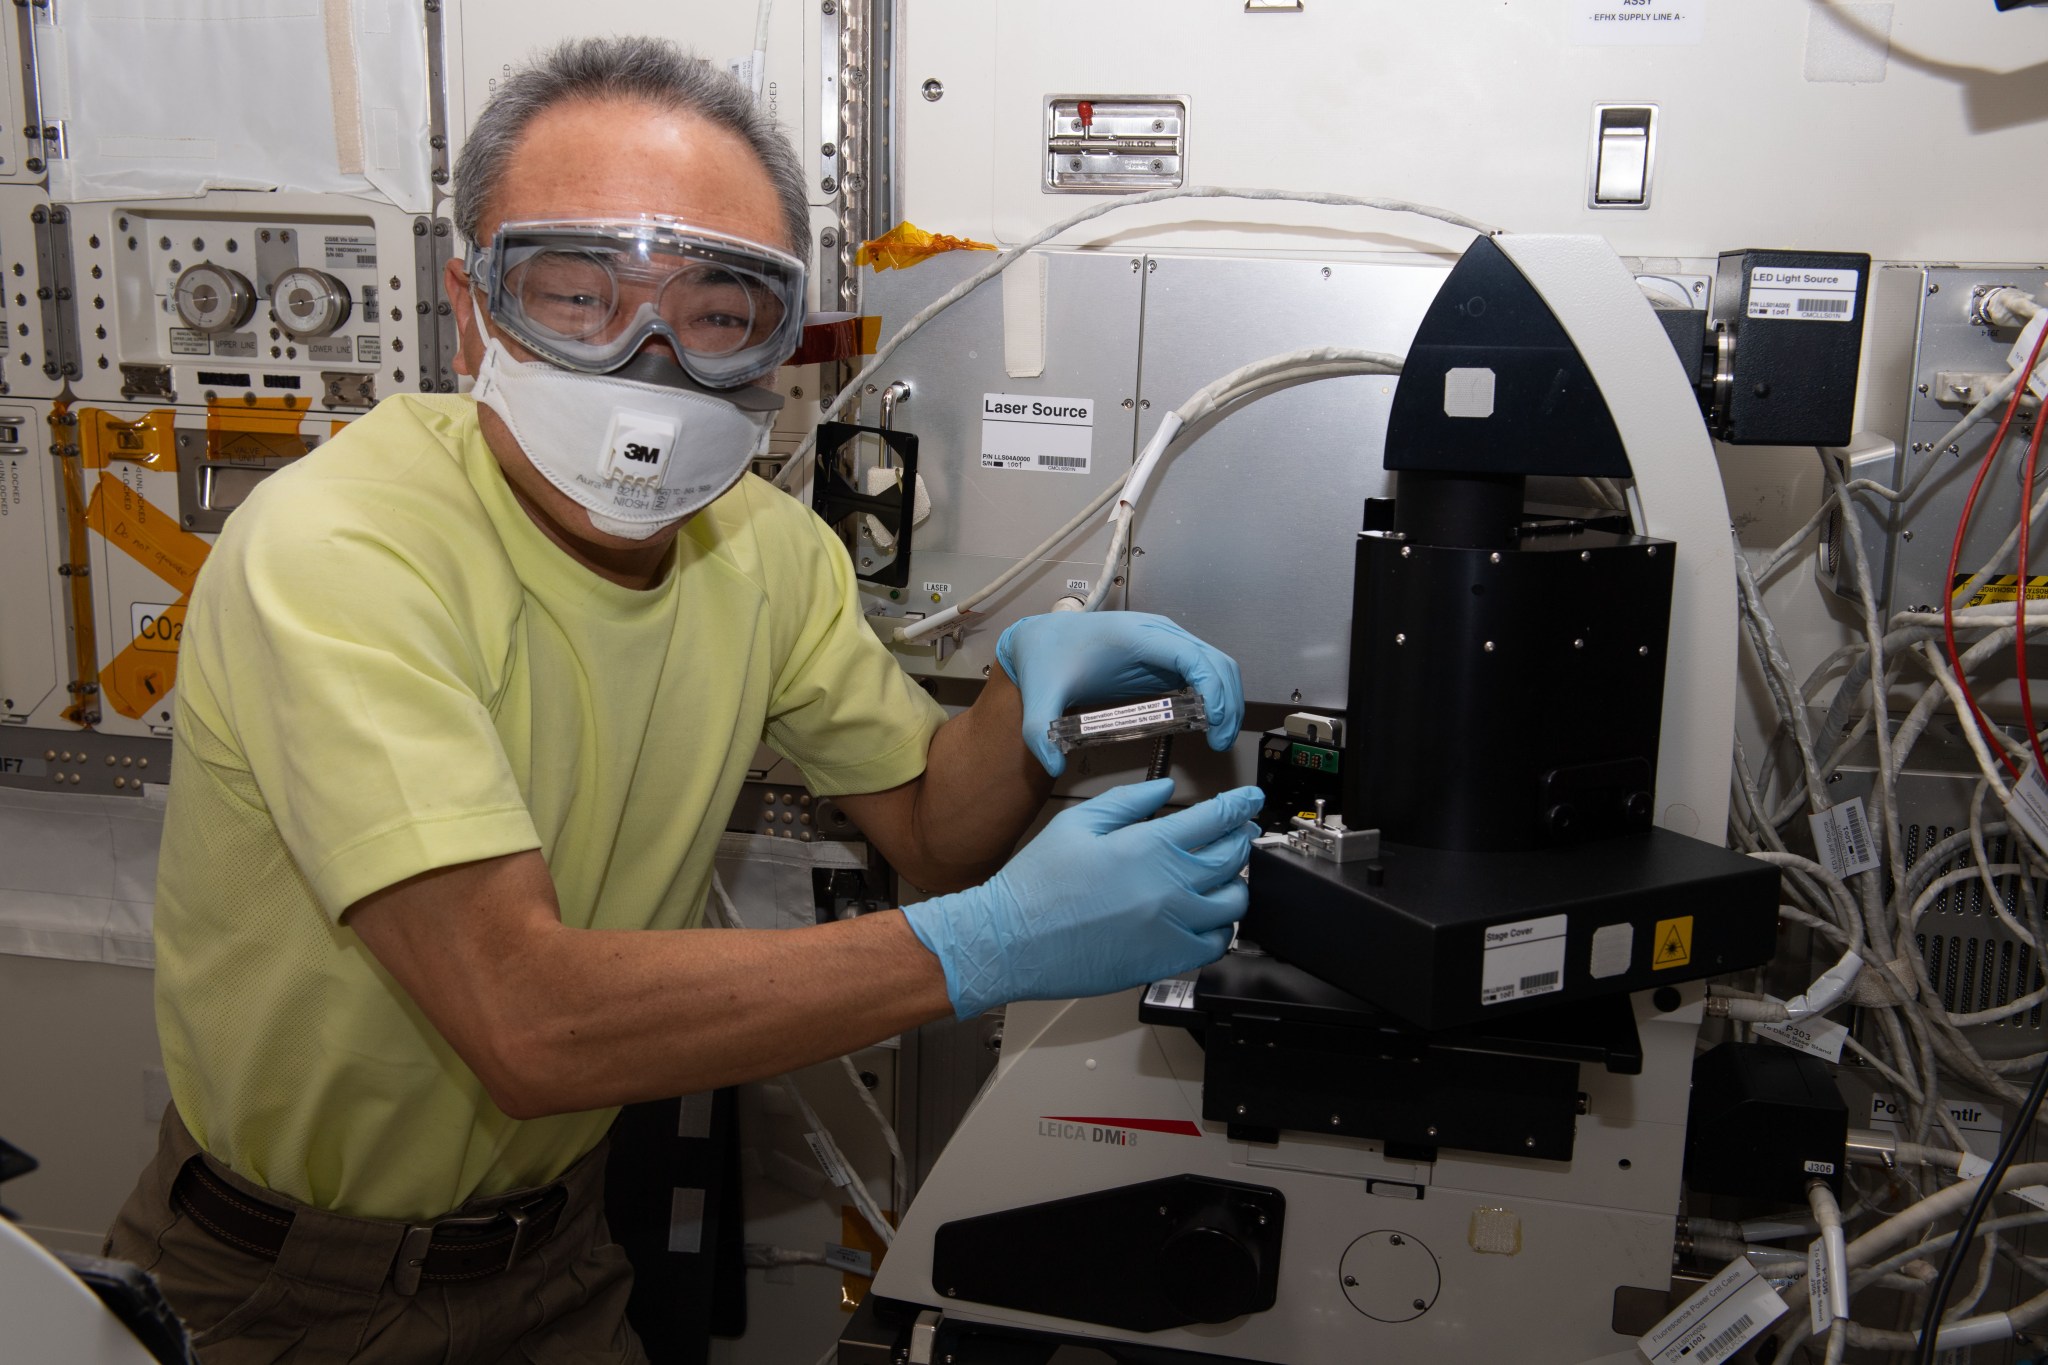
x,y
1624,152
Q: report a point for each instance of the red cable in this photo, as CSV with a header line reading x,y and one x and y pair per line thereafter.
x,y
2019,642
1955,554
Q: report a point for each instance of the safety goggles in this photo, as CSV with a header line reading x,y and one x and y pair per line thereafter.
x,y
588,294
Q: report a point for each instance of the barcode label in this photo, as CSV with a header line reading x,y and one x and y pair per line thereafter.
x,y
1841,837
829,1160
1066,464
1800,294
1726,1313
1731,1335
1522,959
1176,994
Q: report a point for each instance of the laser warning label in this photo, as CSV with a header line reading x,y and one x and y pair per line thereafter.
x,y
1674,943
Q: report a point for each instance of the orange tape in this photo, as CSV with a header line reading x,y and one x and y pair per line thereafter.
x,y
143,674
149,440
150,535
78,558
907,244
855,1233
837,338
145,671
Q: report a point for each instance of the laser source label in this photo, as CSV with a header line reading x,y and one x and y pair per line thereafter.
x,y
1522,959
1039,434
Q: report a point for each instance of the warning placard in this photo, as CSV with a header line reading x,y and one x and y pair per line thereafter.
x,y
1674,943
2004,587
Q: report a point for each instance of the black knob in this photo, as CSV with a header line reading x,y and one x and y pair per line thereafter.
x,y
1210,1270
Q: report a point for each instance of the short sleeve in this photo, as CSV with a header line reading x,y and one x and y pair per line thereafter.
x,y
355,683
842,710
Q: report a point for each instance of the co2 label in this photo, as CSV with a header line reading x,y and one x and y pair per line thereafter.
x,y
158,626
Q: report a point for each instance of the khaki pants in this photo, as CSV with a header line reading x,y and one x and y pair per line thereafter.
x,y
328,1297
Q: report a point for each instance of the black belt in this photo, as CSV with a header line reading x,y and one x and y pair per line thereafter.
x,y
449,1250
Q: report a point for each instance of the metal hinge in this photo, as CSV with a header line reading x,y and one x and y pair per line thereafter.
x,y
54,291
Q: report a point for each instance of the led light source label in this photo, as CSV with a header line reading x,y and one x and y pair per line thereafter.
x,y
1522,959
1794,294
1841,835
1044,435
1727,1313
1614,22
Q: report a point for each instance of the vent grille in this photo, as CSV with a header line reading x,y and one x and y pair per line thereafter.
x,y
1972,959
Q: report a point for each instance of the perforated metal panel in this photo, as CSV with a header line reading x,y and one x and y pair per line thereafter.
x,y
1974,961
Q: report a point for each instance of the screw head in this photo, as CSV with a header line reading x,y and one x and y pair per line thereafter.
x,y
933,90
1421,1305
1395,1239
828,150
829,185
1351,1282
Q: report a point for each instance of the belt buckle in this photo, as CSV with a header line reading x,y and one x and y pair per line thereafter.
x,y
412,1258
419,1240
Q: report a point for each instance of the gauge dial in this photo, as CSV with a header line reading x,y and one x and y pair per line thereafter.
x,y
212,298
309,303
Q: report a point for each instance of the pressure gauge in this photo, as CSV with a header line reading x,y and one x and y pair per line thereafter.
x,y
309,303
212,298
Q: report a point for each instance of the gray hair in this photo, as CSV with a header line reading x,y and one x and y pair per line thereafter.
x,y
648,70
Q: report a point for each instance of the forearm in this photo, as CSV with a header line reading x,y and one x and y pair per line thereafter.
x,y
594,1018
980,791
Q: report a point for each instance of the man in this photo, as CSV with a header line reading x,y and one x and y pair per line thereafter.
x,y
466,698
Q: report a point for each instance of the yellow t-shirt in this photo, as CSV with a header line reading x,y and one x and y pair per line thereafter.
x,y
386,669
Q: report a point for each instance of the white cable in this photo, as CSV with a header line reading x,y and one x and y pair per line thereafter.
x,y
899,1182
862,1199
1181,427
2008,306
790,469
1835,1252
855,1187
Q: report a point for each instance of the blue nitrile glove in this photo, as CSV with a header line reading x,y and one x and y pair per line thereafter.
x,y
1067,658
1099,901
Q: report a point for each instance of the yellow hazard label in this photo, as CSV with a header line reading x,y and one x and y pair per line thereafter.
x,y
1674,943
2004,587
